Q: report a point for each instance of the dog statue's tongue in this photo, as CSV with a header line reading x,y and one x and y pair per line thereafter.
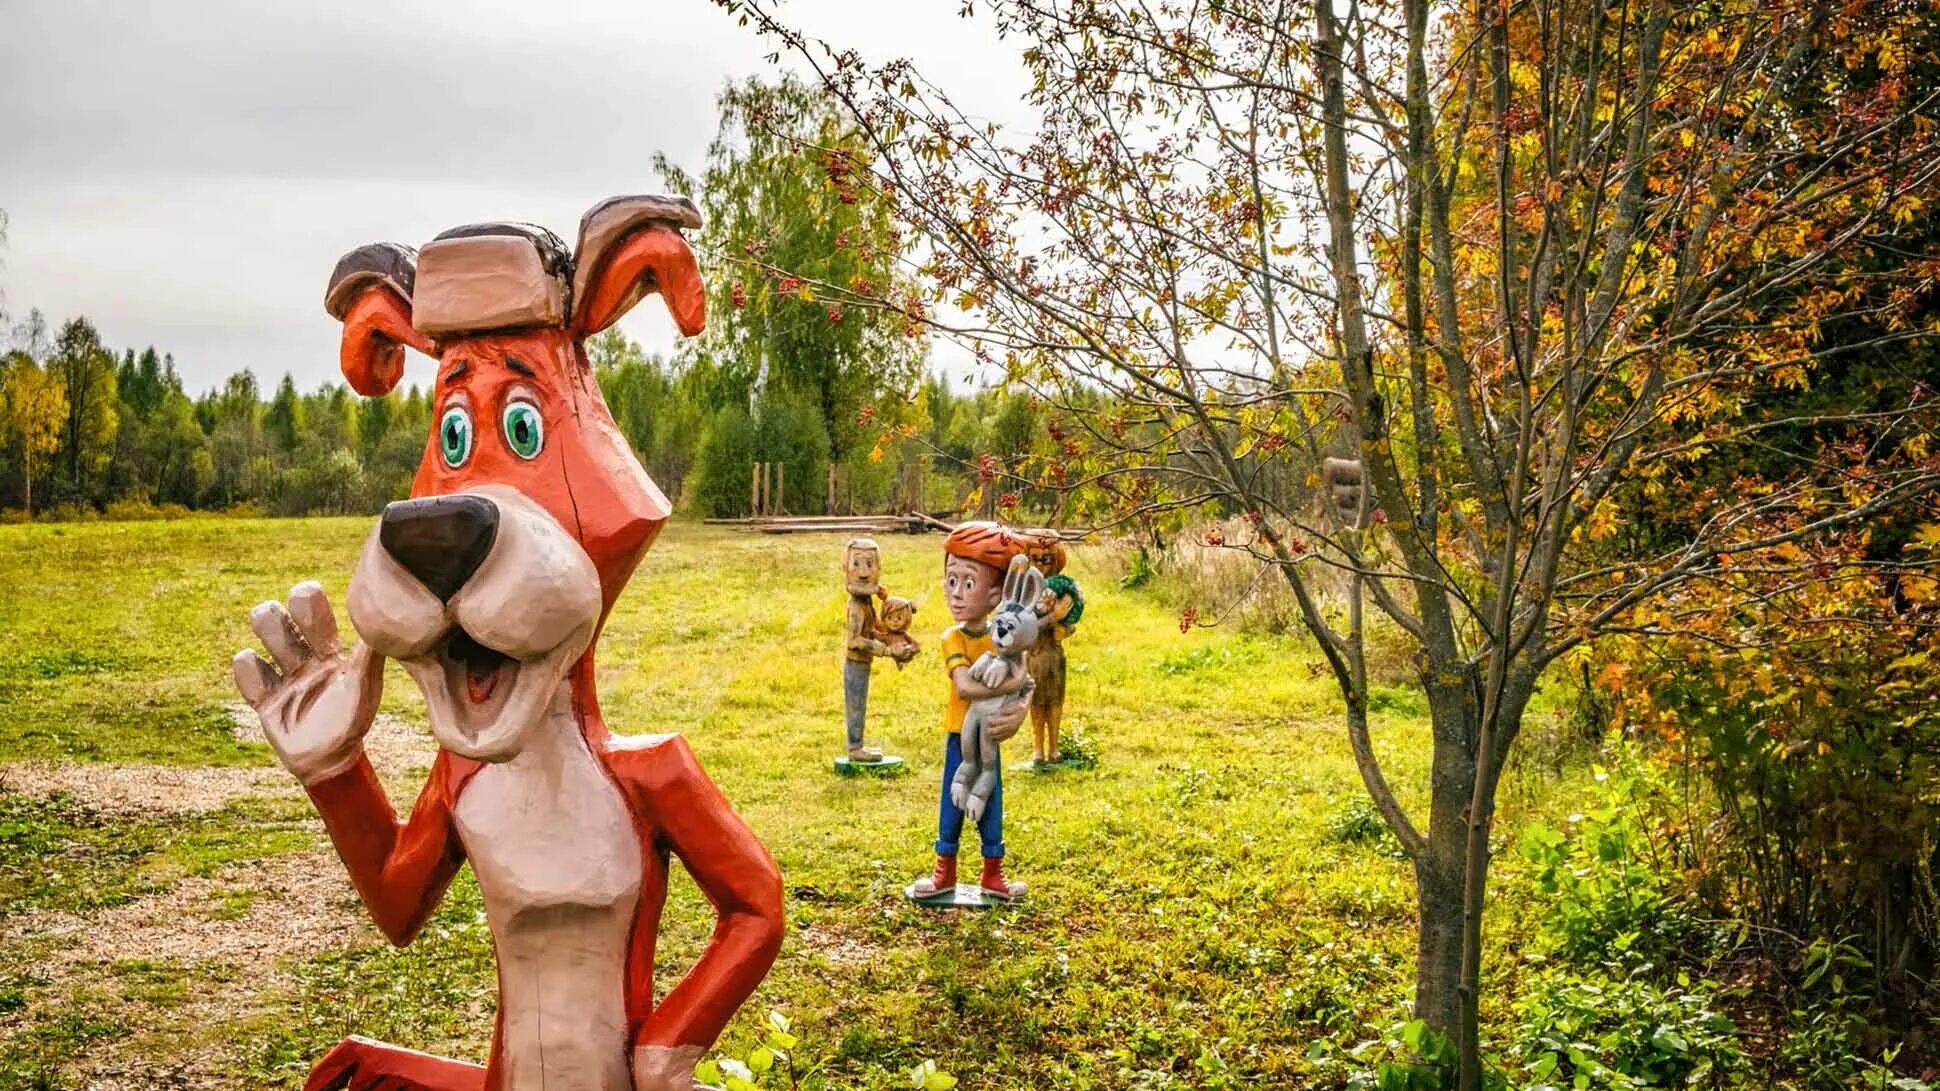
x,y
480,681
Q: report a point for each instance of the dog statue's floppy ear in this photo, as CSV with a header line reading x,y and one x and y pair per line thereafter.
x,y
629,246
370,292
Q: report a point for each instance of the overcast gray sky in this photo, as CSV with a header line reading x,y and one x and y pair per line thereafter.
x,y
186,173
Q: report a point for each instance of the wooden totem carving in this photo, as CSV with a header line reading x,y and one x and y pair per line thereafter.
x,y
1347,494
490,585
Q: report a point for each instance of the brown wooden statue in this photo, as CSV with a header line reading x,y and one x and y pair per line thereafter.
x,y
1346,491
1059,610
895,618
865,638
490,585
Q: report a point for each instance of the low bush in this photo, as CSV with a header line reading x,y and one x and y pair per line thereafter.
x,y
777,1061
1618,1032
1807,723
136,510
1078,749
1608,903
1358,822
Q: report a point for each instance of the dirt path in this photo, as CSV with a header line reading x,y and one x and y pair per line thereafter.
x,y
396,748
230,938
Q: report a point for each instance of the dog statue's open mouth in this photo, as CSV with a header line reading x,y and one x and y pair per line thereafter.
x,y
490,653
483,667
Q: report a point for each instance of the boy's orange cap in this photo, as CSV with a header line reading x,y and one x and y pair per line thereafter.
x,y
986,543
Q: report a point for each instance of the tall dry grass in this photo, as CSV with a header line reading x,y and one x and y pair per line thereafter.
x,y
1228,586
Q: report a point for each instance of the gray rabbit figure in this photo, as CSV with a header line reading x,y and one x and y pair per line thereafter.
x,y
1013,629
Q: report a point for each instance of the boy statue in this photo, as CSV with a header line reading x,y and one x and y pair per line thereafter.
x,y
862,574
976,556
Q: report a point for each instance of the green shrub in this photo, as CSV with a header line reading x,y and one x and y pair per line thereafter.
x,y
138,510
1830,1040
1621,1032
722,475
67,512
777,1061
1078,749
1357,821
1607,904
1404,1057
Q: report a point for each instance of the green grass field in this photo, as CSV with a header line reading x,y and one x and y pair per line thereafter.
x,y
1205,904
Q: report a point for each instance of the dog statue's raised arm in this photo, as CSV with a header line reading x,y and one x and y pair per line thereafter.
x,y
490,585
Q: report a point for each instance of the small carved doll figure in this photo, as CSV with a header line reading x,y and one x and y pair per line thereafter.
x,y
1058,611
976,559
862,574
897,614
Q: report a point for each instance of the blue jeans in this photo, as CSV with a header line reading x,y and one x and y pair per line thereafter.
x,y
949,817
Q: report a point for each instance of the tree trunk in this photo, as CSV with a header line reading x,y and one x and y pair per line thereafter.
x,y
1492,753
1438,950
1441,870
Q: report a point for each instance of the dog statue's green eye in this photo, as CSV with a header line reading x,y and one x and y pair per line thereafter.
x,y
523,431
455,436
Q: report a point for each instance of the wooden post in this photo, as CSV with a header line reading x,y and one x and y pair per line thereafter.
x,y
830,506
781,504
754,492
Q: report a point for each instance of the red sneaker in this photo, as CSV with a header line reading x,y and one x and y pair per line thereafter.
x,y
993,882
944,878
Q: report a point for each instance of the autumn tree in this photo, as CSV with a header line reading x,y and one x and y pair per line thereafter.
x,y
1506,262
33,408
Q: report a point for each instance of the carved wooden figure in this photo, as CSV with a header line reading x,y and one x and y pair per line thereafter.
x,y
863,640
977,557
490,585
1346,491
895,619
1058,611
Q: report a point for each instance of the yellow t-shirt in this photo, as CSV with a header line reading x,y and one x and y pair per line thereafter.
x,y
961,648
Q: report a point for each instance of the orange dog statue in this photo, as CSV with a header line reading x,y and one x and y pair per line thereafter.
x,y
490,585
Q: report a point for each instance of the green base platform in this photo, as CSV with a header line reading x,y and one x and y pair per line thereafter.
x,y
889,766
965,896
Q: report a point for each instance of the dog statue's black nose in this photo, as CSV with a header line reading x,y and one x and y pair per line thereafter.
x,y
440,539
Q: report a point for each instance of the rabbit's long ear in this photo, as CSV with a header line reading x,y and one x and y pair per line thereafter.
x,y
1014,578
1033,585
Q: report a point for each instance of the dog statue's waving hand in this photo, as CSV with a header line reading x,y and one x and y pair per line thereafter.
x,y
316,703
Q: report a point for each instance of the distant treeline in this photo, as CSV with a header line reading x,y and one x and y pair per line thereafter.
x,y
86,430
